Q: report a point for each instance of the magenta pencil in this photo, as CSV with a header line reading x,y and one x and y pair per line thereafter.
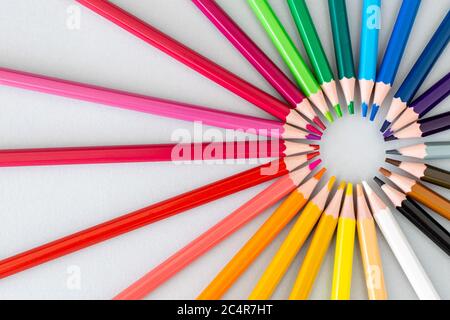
x,y
151,105
239,39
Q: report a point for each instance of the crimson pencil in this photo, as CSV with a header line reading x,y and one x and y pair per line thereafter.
x,y
269,70
194,60
152,153
148,215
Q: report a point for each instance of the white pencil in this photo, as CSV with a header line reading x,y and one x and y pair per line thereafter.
x,y
400,247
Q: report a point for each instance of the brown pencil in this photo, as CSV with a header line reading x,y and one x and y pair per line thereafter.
x,y
419,192
424,172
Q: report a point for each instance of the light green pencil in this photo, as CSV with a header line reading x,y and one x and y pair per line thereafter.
x,y
290,55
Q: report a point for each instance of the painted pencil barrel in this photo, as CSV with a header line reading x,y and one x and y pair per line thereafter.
x,y
437,150
371,24
285,46
311,40
437,176
431,199
341,36
425,62
370,255
398,40
342,275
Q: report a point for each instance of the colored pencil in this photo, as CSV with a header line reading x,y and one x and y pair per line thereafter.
x,y
394,52
260,240
424,172
419,192
314,49
345,241
318,248
148,215
370,252
292,244
145,104
401,248
215,235
343,49
192,59
419,72
416,215
290,55
426,151
151,153
422,128
423,104
242,42
368,54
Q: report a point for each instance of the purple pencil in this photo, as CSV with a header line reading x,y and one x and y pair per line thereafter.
x,y
423,104
258,59
422,128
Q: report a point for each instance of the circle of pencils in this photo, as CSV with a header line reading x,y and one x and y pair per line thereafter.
x,y
288,146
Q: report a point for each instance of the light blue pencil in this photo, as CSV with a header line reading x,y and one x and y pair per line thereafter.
x,y
394,52
371,23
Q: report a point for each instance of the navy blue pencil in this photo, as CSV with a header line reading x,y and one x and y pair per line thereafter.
x,y
419,71
394,52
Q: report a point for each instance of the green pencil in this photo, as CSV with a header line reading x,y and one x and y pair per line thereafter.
x,y
290,55
314,49
343,49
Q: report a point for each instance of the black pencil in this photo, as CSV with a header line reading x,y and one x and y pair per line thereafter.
x,y
417,215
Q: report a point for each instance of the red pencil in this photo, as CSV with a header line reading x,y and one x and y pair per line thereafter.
x,y
194,60
152,153
148,215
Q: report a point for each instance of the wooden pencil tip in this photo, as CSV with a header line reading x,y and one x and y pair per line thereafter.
x,y
342,185
393,162
359,189
319,174
312,155
385,172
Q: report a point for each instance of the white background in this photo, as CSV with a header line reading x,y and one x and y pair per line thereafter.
x,y
41,204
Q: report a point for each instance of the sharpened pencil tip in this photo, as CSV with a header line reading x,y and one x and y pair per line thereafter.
x,y
319,122
364,109
385,172
315,146
313,129
351,108
331,183
374,111
385,125
390,138
313,137
320,173
338,110
342,185
349,190
393,162
388,133
393,151
312,155
314,164
329,116
378,181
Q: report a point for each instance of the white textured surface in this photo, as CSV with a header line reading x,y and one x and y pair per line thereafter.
x,y
41,204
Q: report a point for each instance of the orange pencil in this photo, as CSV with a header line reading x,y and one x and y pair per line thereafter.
x,y
260,240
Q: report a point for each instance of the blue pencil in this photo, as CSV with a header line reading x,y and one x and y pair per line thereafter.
x,y
394,52
371,22
419,71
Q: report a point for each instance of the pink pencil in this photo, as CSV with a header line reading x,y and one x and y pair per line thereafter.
x,y
257,58
157,106
248,211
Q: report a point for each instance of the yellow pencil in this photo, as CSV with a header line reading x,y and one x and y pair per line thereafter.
x,y
345,241
261,239
368,244
291,245
318,248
